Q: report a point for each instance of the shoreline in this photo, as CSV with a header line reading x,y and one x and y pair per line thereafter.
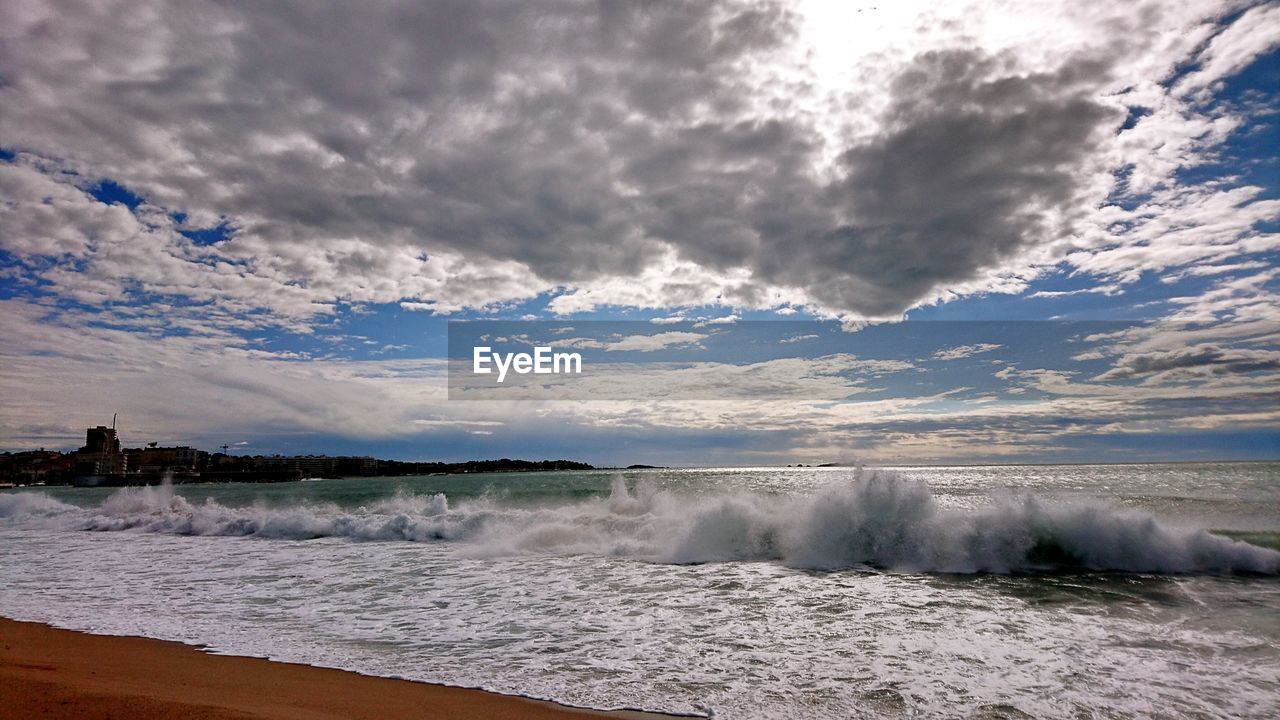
x,y
49,672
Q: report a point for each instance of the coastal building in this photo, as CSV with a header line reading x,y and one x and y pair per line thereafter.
x,y
100,455
316,466
97,464
159,459
101,440
32,467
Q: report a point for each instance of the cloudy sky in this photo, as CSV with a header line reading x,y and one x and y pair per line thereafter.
x,y
251,223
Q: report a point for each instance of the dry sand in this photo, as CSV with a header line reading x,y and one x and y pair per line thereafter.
x,y
51,673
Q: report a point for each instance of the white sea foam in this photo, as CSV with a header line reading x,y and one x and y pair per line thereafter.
x,y
27,505
871,519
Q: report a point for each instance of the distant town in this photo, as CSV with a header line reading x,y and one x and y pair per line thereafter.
x,y
102,462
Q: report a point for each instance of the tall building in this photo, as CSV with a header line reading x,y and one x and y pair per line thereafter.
x,y
101,439
100,454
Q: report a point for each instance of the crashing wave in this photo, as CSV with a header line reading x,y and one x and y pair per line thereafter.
x,y
873,519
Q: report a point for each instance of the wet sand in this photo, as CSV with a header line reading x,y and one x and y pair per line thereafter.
x,y
50,673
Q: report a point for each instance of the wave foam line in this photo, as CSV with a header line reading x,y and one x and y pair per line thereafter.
x,y
872,519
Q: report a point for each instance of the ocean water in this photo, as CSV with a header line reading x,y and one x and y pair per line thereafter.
x,y
988,592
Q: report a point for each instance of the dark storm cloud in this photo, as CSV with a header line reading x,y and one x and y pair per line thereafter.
x,y
974,165
581,141
1196,361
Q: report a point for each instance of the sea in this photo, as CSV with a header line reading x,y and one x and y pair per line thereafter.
x,y
1045,591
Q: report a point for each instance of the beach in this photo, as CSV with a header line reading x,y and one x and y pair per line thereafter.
x,y
46,672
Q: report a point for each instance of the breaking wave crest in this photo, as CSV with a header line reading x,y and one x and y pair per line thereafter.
x,y
27,505
873,519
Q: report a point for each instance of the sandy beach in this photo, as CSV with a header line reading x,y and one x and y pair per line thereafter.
x,y
51,673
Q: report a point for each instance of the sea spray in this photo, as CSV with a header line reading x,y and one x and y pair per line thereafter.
x,y
868,519
18,506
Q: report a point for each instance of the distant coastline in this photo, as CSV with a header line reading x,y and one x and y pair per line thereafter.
x,y
49,468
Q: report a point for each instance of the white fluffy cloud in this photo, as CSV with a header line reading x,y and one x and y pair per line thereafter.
x,y
854,160
964,351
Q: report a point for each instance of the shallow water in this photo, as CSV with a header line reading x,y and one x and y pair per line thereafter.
x,y
1054,591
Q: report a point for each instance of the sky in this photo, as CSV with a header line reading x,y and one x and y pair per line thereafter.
x,y
781,231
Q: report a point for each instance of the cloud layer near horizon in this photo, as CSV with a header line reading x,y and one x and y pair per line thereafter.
x,y
937,402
